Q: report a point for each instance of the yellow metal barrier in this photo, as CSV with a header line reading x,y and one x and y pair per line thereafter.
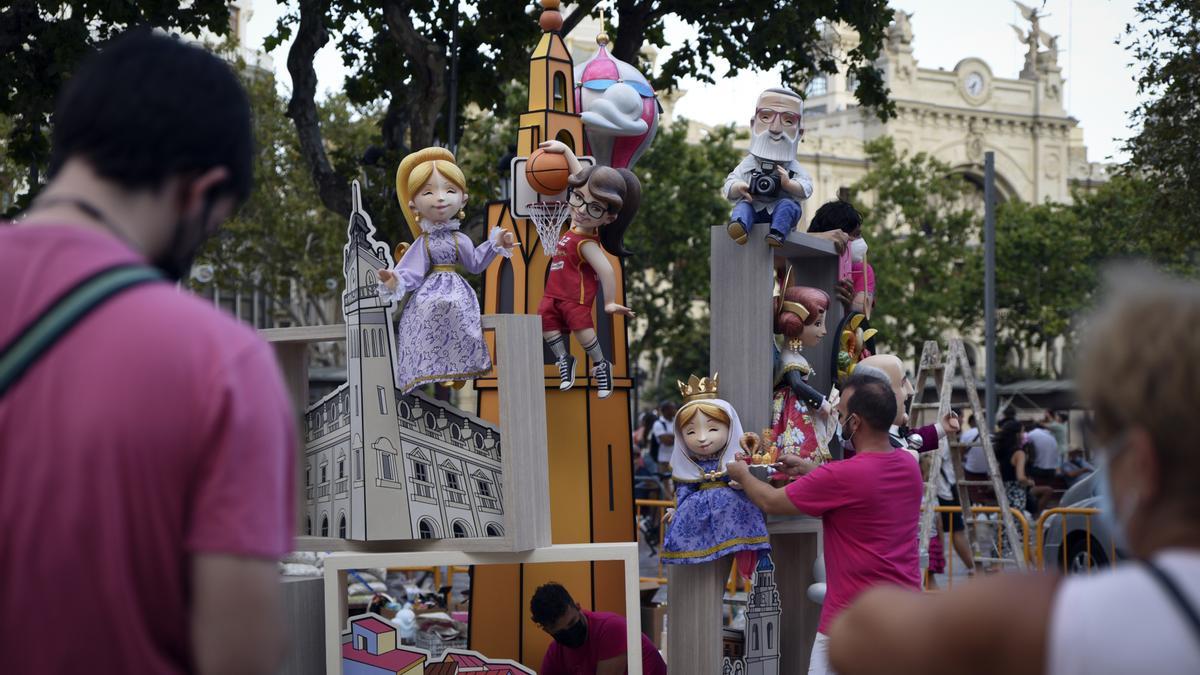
x,y
660,507
1063,512
948,548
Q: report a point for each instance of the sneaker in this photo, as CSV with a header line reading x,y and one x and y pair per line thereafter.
x,y
566,372
737,231
774,240
602,372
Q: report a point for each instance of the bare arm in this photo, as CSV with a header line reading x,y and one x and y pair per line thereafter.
x,y
237,615
768,499
573,164
592,253
990,626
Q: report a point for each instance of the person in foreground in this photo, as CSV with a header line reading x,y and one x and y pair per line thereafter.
x,y
148,452
868,505
585,643
1140,617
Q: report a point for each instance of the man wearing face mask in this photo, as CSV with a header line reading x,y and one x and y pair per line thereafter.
x,y
147,441
868,505
1143,616
769,184
585,643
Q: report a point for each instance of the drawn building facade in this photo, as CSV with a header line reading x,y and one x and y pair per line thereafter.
x,y
381,465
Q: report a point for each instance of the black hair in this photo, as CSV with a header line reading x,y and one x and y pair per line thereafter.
x,y
620,191
836,215
147,107
549,602
872,400
1010,411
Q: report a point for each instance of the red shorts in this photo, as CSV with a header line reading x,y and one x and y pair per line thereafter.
x,y
560,316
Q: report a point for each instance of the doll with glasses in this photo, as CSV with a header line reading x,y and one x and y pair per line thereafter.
x,y
603,202
439,337
769,185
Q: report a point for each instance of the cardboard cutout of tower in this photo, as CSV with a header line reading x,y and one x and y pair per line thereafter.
x,y
591,483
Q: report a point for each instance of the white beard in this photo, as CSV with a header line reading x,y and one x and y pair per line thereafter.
x,y
762,147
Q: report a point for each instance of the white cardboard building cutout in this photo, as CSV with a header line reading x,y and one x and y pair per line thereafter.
x,y
761,640
380,465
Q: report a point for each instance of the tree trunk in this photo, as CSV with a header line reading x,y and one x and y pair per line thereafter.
x,y
426,95
311,36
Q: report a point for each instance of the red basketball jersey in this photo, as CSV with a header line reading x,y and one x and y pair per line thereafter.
x,y
571,277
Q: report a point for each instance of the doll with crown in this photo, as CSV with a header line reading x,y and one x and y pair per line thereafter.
x,y
439,337
711,519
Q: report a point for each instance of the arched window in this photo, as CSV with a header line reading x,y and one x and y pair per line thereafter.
x,y
370,278
818,86
770,635
425,529
560,92
566,138
493,530
308,525
325,526
342,530
460,530
754,636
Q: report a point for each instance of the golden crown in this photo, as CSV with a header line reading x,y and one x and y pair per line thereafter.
x,y
698,388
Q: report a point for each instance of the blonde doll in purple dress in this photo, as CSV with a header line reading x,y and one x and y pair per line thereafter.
x,y
439,337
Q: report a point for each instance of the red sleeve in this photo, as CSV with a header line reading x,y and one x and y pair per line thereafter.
x,y
818,491
243,491
610,638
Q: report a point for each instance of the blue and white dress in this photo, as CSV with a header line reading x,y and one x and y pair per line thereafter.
x,y
712,519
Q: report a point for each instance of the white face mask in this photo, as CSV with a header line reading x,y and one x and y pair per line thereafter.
x,y
858,249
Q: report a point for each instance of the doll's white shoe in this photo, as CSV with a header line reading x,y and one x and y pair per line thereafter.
x,y
566,372
602,372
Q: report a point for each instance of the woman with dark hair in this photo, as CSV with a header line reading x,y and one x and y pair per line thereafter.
x,y
800,319
603,202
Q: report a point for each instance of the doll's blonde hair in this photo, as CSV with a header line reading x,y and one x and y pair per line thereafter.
x,y
710,410
415,169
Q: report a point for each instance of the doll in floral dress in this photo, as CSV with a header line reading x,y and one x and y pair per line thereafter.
x,y
800,415
439,337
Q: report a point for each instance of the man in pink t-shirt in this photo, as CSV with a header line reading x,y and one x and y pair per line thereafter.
x,y
147,456
585,643
868,504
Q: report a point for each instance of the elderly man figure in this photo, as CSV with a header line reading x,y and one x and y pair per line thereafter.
x,y
769,184
921,439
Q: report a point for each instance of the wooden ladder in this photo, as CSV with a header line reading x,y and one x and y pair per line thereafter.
x,y
943,372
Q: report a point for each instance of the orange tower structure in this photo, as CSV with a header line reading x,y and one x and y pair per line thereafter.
x,y
591,482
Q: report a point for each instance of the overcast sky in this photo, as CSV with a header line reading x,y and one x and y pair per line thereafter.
x,y
1100,89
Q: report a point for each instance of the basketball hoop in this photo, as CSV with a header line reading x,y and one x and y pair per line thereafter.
x,y
548,218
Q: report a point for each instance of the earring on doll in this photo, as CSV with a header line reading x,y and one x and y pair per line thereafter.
x,y
795,345
462,215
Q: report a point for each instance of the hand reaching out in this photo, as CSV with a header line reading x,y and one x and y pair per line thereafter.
x,y
389,279
950,423
614,308
508,240
793,465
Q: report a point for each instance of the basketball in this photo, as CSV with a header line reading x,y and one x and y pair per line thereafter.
x,y
547,172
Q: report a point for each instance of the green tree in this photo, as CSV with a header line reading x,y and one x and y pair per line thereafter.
x,y
281,243
430,60
922,231
1165,151
42,42
667,278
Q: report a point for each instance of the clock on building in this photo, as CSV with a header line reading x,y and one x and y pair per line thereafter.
x,y
974,85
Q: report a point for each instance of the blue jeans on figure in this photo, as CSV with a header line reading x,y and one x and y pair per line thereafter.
x,y
782,219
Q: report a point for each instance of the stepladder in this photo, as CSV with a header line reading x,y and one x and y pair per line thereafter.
x,y
1006,546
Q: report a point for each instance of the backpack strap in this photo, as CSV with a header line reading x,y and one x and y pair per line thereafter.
x,y
45,330
1174,592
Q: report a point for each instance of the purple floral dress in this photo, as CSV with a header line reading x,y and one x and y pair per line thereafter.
x,y
439,337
